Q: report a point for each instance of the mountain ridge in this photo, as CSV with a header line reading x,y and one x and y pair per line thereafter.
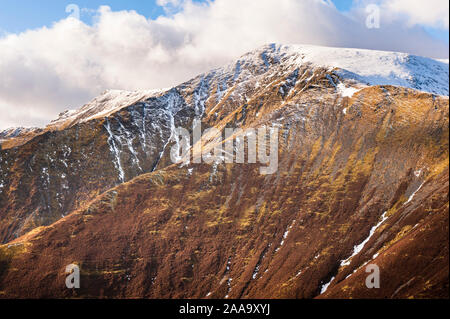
x,y
362,67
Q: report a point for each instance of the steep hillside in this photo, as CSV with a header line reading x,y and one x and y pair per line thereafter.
x,y
362,178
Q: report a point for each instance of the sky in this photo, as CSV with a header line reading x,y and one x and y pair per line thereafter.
x,y
57,55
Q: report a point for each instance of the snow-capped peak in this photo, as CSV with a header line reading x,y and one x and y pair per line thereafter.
x,y
103,105
368,67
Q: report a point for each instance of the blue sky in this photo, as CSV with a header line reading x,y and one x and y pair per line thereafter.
x,y
31,14
34,14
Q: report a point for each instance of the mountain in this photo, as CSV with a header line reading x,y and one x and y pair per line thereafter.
x,y
362,178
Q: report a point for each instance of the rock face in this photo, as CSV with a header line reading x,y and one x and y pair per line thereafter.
x,y
362,179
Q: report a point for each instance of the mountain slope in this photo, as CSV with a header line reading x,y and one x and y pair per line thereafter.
x,y
351,157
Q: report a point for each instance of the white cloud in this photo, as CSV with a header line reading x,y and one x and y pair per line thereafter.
x,y
433,13
410,13
168,2
49,70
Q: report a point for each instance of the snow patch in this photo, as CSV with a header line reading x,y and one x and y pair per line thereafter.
x,y
357,249
115,151
346,91
285,235
325,286
413,194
